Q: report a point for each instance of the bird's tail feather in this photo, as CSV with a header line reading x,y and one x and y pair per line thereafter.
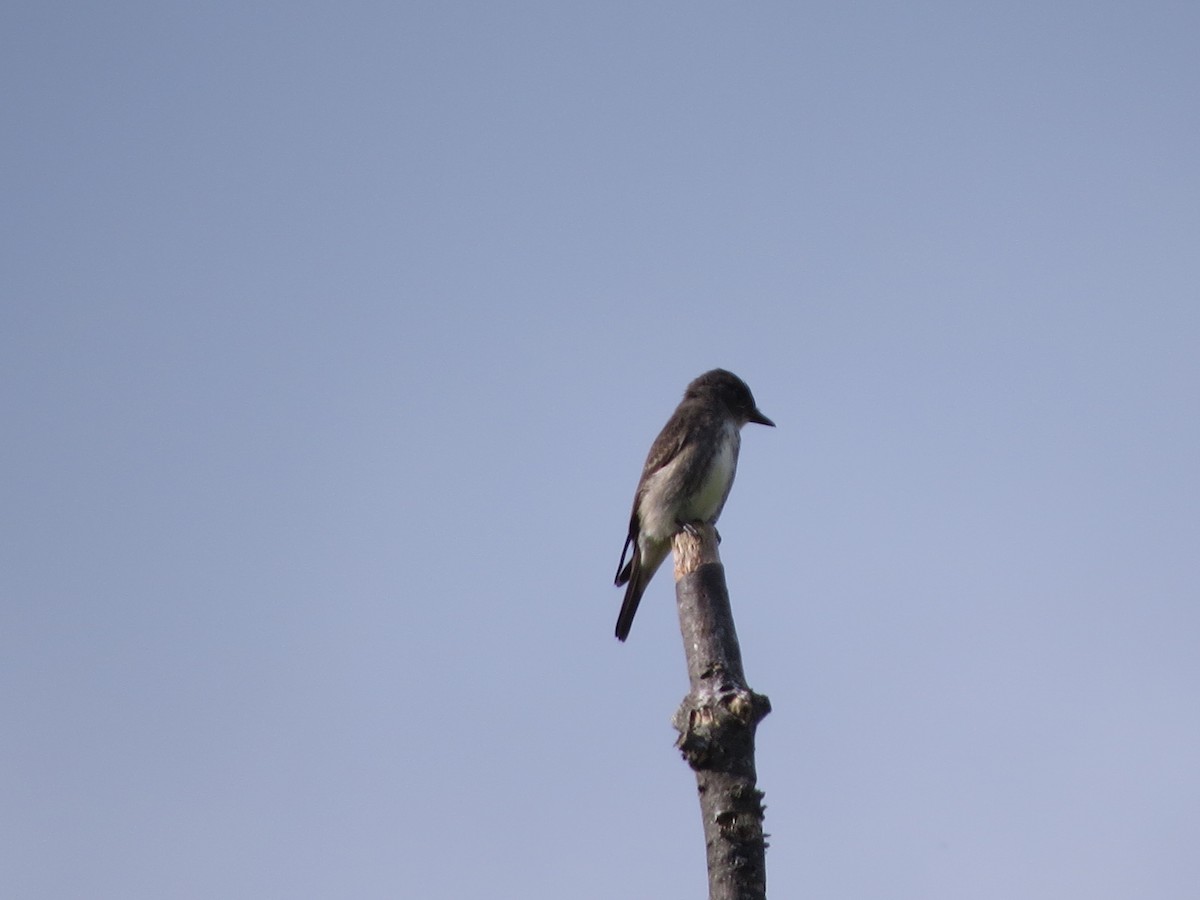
x,y
633,596
638,573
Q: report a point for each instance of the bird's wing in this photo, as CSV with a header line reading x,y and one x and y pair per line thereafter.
x,y
668,445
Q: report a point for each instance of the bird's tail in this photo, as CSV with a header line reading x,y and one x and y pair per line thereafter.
x,y
637,573
633,596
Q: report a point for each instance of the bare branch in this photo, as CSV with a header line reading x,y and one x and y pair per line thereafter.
x,y
717,722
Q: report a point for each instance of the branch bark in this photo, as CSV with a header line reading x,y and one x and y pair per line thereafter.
x,y
717,721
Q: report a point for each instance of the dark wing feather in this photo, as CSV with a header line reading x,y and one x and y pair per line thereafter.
x,y
633,595
670,441
623,570
666,447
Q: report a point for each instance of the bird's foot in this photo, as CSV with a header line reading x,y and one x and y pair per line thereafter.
x,y
695,529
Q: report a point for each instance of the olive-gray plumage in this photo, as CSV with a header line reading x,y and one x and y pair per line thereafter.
x,y
686,479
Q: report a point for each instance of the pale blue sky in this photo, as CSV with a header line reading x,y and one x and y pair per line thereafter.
x,y
333,339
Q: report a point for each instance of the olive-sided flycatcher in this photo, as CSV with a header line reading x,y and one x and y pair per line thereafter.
x,y
686,478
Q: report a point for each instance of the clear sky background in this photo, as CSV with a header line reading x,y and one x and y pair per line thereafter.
x,y
333,340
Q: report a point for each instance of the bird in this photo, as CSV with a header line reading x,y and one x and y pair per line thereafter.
x,y
686,478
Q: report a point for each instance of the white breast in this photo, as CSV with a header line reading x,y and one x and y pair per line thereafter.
x,y
661,509
708,500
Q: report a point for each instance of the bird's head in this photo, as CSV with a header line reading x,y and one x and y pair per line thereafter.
x,y
732,392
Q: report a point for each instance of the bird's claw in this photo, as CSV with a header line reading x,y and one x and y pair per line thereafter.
x,y
695,529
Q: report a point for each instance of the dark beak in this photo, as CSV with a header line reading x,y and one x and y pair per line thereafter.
x,y
759,419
